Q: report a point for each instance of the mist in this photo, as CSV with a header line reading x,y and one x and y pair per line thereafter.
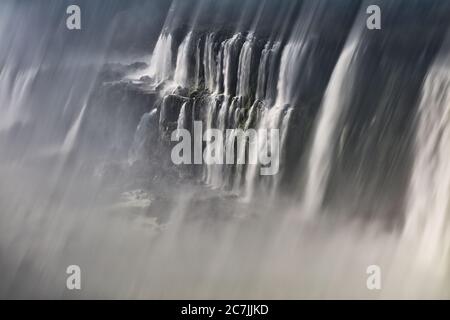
x,y
87,177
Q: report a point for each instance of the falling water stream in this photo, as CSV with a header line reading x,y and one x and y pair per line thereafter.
x,y
86,175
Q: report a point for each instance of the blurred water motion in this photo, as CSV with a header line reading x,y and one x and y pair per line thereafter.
x,y
86,176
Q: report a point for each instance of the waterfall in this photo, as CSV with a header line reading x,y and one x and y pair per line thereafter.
x,y
244,67
228,54
273,118
293,58
210,169
228,66
161,62
355,122
209,61
219,82
266,70
333,106
251,174
214,174
284,132
224,63
292,62
428,201
292,54
182,68
181,124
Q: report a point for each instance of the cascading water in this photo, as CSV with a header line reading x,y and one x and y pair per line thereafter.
x,y
181,71
428,205
210,62
229,52
319,162
244,68
161,61
362,142
182,118
266,71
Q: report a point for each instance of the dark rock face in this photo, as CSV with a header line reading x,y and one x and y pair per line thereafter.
x,y
169,114
180,91
113,116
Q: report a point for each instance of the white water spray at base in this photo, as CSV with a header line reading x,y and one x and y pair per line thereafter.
x,y
428,203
